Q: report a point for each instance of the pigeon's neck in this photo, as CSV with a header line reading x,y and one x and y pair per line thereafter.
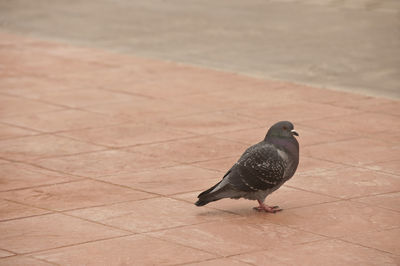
x,y
290,145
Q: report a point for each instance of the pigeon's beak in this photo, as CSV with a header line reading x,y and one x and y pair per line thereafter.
x,y
294,132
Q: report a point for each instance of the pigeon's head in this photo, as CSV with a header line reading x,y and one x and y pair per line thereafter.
x,y
282,129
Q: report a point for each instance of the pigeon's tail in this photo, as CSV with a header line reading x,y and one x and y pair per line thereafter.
x,y
217,192
205,197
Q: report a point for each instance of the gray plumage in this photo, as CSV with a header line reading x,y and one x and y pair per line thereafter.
x,y
262,168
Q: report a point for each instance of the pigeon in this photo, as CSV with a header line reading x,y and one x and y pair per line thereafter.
x,y
261,169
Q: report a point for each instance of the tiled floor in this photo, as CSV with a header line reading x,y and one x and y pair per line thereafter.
x,y
102,156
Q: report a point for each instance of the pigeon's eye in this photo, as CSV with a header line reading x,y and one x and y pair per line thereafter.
x,y
284,128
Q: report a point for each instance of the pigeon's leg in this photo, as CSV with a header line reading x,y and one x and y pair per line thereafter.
x,y
266,208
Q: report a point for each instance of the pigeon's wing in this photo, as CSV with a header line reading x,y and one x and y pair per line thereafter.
x,y
261,167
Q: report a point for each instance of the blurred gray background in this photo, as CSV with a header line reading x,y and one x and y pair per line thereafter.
x,y
339,44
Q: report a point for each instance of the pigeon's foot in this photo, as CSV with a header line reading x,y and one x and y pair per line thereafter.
x,y
266,208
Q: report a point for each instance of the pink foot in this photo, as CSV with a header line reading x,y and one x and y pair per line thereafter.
x,y
266,208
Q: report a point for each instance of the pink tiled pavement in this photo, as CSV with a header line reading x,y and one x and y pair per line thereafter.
x,y
102,156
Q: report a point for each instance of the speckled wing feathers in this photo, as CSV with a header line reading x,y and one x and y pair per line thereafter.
x,y
259,168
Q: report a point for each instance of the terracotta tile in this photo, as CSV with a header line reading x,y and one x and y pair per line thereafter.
x,y
126,135
22,261
86,97
32,87
18,175
12,106
313,165
79,194
168,180
237,236
387,107
289,197
146,110
209,123
130,250
249,136
386,240
10,210
328,252
388,200
295,112
240,206
151,214
194,149
220,165
363,151
360,124
392,167
318,95
338,219
4,253
348,100
34,147
50,231
249,91
169,80
9,132
285,197
394,137
64,120
219,262
210,102
104,163
347,182
312,135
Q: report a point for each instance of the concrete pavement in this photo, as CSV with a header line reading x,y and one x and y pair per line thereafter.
x,y
346,45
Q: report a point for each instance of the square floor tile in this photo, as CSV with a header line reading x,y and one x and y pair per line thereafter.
x,y
105,163
387,200
126,135
64,120
151,214
50,231
86,97
23,261
328,252
9,132
220,165
338,219
15,106
347,182
312,165
20,175
285,198
146,110
167,180
295,112
385,240
392,167
209,123
235,237
361,151
249,136
34,147
11,210
360,124
79,194
4,253
219,262
193,149
131,250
